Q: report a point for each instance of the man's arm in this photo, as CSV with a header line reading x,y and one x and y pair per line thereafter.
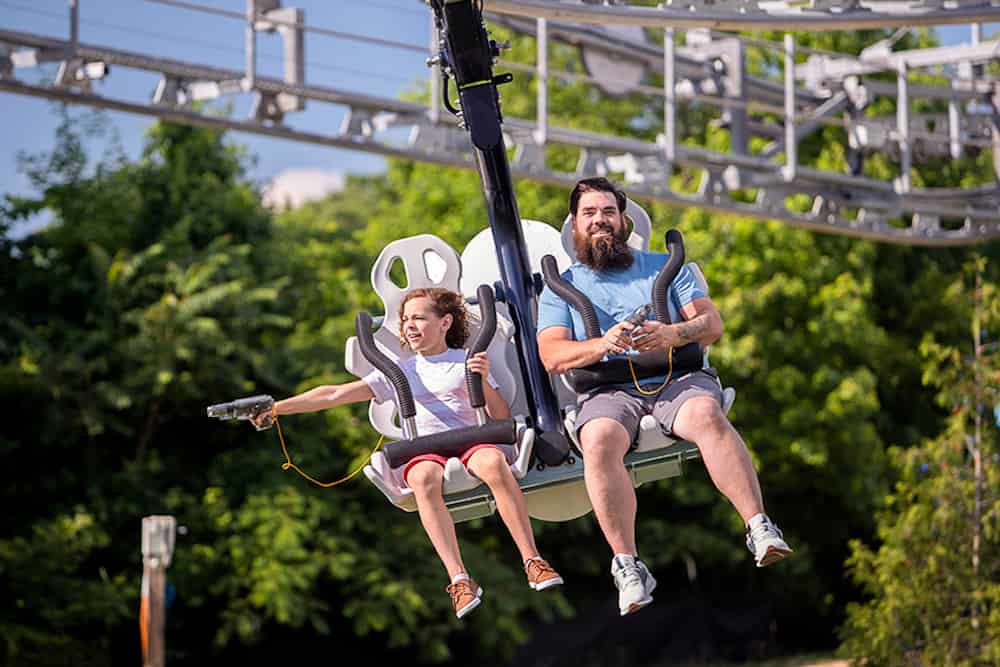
x,y
560,352
702,324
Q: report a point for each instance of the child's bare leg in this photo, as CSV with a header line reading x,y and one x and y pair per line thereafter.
x,y
490,465
426,478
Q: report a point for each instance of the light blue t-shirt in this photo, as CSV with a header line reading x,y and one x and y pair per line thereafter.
x,y
615,293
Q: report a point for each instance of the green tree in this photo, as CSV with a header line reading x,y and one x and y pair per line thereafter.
x,y
934,582
157,287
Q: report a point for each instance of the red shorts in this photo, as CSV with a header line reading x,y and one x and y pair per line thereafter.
x,y
442,460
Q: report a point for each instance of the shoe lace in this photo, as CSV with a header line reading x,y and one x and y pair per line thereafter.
x,y
628,574
761,531
458,589
537,567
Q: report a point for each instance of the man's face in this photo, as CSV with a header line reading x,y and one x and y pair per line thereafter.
x,y
599,232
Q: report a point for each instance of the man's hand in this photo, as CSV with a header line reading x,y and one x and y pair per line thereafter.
x,y
479,363
655,336
618,338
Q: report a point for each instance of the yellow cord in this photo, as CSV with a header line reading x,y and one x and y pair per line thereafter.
x,y
288,460
670,371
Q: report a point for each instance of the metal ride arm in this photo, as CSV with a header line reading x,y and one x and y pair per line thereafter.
x,y
467,56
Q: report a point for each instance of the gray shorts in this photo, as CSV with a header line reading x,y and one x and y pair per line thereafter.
x,y
625,405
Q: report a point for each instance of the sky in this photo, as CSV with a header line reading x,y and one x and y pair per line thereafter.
x,y
28,124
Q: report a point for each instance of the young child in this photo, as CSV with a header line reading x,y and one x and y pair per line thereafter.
x,y
434,325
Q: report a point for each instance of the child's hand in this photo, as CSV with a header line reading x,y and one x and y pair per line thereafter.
x,y
263,420
478,363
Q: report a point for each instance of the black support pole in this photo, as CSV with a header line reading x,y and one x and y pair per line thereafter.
x,y
468,57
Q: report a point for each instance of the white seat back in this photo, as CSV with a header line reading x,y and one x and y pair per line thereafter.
x,y
479,259
427,261
479,263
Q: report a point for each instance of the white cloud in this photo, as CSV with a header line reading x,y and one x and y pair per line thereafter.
x,y
294,187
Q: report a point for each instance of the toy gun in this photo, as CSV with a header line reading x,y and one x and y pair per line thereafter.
x,y
637,317
640,314
242,408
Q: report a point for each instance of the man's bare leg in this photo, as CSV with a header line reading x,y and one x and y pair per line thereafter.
x,y
702,421
605,443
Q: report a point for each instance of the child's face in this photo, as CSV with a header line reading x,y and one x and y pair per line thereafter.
x,y
422,328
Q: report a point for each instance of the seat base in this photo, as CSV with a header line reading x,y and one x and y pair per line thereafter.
x,y
558,493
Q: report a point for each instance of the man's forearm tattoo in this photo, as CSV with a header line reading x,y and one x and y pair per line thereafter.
x,y
692,330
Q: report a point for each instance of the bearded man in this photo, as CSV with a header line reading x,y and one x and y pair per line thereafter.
x,y
618,279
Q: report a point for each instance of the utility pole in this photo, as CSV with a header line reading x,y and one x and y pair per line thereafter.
x,y
158,535
977,451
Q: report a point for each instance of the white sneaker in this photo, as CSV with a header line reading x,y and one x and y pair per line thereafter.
x,y
634,581
766,543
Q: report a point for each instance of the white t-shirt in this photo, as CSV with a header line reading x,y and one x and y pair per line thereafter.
x,y
440,393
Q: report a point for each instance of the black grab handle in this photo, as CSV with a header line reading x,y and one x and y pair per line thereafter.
x,y
392,372
451,443
675,245
488,327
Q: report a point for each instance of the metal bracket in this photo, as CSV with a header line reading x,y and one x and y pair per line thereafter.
x,y
714,184
529,156
652,171
592,163
837,6
437,139
357,125
741,7
78,73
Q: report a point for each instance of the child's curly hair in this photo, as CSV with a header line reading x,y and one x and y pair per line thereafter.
x,y
444,302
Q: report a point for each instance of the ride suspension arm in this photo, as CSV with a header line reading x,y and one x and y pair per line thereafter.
x,y
467,56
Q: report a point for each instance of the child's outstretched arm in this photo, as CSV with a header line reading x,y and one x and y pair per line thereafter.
x,y
318,398
324,397
496,406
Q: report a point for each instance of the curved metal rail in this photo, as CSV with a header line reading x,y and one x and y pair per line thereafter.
x,y
746,15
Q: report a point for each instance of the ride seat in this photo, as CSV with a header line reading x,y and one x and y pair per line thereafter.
x,y
427,261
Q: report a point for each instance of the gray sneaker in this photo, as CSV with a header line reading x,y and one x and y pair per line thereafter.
x,y
767,544
634,581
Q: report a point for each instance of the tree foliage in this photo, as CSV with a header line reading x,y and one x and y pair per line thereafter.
x,y
934,582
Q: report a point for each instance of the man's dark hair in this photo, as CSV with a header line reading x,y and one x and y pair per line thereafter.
x,y
599,184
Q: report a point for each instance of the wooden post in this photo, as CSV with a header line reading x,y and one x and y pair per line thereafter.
x,y
158,534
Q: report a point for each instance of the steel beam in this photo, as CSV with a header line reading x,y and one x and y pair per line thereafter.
x,y
776,15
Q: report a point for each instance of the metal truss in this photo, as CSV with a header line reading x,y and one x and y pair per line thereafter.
x,y
750,15
707,70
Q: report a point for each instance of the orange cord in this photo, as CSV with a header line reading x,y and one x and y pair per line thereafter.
x,y
288,459
670,371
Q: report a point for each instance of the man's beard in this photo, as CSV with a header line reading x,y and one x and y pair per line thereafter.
x,y
607,252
